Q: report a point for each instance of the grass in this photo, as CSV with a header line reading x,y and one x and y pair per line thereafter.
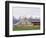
x,y
26,27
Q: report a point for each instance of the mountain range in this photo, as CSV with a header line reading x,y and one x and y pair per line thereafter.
x,y
15,20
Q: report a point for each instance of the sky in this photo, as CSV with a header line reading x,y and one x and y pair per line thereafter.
x,y
26,11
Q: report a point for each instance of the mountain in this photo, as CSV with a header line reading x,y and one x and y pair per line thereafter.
x,y
33,20
24,20
15,20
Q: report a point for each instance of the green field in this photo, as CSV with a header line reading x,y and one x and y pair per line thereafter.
x,y
26,27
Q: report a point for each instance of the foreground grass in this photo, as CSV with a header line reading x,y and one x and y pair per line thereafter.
x,y
26,27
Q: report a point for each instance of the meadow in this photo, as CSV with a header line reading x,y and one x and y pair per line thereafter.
x,y
26,27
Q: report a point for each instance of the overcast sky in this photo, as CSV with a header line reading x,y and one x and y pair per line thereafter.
x,y
26,11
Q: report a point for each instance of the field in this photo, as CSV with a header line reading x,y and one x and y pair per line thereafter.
x,y
26,27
